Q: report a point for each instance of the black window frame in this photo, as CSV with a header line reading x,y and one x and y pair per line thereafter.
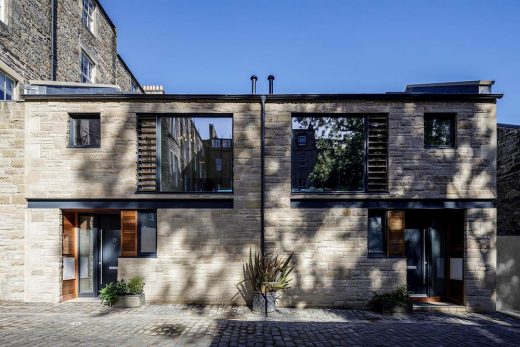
x,y
158,117
452,117
373,213
72,129
139,225
294,141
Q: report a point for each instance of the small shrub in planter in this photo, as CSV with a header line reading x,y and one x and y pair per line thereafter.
x,y
267,275
123,294
397,301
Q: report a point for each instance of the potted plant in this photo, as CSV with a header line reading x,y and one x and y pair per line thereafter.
x,y
266,275
397,301
122,294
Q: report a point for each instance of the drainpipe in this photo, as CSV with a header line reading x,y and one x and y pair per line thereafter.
x,y
262,184
54,15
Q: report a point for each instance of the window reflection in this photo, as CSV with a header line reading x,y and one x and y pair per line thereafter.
x,y
328,154
196,154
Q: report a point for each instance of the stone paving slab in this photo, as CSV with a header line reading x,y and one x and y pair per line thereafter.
x,y
89,324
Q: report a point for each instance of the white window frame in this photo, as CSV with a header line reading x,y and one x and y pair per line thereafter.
x,y
3,11
91,67
88,14
4,79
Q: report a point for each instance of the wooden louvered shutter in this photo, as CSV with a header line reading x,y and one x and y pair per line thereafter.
x,y
377,156
128,233
146,154
395,233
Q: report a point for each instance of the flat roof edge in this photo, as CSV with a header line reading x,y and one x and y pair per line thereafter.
x,y
271,97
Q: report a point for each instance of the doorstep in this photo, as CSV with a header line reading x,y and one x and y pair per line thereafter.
x,y
85,299
437,307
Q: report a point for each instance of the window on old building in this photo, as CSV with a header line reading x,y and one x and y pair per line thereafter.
x,y
87,15
7,86
439,130
302,140
87,69
85,131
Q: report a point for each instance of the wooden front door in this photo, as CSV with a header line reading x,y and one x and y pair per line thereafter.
x,y
69,256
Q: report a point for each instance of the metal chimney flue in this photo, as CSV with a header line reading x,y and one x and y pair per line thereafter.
x,y
270,78
253,84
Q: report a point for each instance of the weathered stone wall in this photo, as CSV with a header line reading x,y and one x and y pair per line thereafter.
x,y
43,261
123,76
508,180
25,43
508,272
12,200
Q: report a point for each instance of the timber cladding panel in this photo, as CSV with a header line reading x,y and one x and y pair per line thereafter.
x,y
128,233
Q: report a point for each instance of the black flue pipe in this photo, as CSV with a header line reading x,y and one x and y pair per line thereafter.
x,y
253,84
270,78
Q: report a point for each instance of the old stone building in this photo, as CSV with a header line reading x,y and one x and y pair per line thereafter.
x,y
65,41
403,192
508,213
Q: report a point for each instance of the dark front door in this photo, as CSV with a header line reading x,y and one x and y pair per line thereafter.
x,y
110,243
415,260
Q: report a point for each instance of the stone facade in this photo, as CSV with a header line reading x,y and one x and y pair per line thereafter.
x,y
26,39
200,251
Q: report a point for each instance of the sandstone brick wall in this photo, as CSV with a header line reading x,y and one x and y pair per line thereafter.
x,y
43,261
330,245
25,43
12,200
200,251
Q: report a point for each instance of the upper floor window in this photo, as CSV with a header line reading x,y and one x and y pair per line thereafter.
x,y
226,143
84,131
6,87
188,159
87,15
439,130
343,153
87,68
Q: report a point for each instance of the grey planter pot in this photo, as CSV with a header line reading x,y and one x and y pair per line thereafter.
x,y
130,300
259,300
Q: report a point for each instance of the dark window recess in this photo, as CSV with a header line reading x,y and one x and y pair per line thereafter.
x,y
343,153
439,130
377,154
85,131
147,232
146,154
376,233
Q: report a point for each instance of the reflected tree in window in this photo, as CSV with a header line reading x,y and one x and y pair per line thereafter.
x,y
334,152
439,130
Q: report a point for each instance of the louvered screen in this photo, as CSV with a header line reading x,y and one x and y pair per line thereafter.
x,y
146,154
128,233
377,177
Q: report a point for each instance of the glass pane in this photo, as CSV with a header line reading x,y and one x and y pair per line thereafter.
x,y
376,233
87,131
334,150
87,232
148,232
192,158
437,252
69,268
2,95
438,131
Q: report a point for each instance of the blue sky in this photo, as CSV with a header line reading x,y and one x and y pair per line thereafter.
x,y
343,46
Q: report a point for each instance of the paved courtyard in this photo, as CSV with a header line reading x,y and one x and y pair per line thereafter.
x,y
89,324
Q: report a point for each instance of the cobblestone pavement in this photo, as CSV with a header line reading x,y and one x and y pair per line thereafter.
x,y
90,324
